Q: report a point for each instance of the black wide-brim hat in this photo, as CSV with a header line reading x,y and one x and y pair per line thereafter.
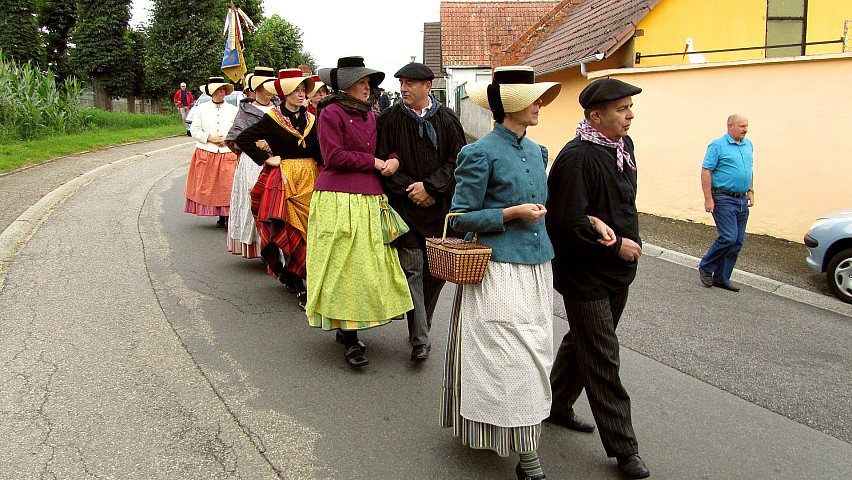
x,y
348,71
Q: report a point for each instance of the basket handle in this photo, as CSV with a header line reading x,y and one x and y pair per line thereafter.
x,y
447,221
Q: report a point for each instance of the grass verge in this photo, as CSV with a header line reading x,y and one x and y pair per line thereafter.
x,y
106,129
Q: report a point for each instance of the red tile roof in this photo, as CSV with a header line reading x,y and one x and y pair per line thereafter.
x,y
469,28
589,27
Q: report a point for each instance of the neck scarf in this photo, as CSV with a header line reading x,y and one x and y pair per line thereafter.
x,y
284,121
423,122
589,134
347,101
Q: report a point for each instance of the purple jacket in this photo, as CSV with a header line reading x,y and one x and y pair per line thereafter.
x,y
348,146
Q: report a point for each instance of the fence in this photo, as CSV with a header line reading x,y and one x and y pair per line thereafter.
x,y
120,104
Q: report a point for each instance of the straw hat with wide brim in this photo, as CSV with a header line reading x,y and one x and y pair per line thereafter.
x,y
260,76
512,89
349,70
215,83
288,80
318,84
247,82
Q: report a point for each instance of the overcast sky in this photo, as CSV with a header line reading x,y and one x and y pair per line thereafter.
x,y
387,33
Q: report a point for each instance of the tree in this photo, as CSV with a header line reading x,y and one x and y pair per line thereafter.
x,y
101,47
184,44
57,19
19,37
276,43
135,67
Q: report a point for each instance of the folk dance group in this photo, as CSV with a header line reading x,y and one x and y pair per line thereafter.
x,y
300,172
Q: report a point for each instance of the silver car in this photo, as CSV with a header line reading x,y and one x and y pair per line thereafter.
x,y
234,99
829,243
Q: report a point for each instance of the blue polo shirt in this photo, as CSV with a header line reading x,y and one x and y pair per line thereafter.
x,y
730,163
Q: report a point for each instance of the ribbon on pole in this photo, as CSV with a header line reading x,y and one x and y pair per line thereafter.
x,y
233,62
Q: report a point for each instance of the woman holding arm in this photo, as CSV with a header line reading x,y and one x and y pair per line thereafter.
x,y
355,281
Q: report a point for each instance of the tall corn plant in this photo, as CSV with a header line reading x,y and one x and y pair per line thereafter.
x,y
32,105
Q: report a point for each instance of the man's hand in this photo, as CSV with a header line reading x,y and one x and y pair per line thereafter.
x,y
750,195
709,205
630,251
606,234
417,192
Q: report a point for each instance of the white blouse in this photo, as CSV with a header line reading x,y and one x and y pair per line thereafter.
x,y
211,119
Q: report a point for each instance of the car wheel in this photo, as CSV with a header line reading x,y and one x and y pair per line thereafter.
x,y
839,275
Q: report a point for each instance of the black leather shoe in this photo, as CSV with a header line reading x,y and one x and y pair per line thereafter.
x,y
705,277
419,353
522,475
288,280
222,222
302,297
355,357
632,466
571,423
727,286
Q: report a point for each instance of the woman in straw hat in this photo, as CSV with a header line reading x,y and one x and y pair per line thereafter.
x,y
211,171
242,232
500,346
355,280
319,92
282,195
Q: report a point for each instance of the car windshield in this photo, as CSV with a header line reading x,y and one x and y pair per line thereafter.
x,y
233,98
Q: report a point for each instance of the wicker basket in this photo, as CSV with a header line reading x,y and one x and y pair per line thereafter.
x,y
456,260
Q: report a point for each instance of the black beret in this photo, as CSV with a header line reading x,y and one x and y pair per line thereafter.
x,y
415,71
606,90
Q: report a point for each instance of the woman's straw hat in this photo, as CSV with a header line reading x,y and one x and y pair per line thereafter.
x,y
215,83
288,80
349,70
318,84
512,89
260,76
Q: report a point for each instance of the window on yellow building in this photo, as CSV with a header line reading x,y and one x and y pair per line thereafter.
x,y
786,24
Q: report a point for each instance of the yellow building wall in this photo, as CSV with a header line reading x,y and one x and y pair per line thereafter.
x,y
825,22
799,123
712,25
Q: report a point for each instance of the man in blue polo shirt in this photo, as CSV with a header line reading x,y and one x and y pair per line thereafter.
x,y
726,179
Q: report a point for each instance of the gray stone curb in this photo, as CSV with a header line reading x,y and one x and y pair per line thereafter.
x,y
756,281
18,233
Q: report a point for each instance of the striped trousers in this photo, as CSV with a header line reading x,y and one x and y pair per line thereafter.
x,y
425,290
588,357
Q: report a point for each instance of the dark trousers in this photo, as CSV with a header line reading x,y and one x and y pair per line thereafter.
x,y
425,290
588,357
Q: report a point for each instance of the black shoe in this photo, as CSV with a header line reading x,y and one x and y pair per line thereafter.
x,y
727,286
222,222
355,356
705,277
288,280
419,353
632,466
522,475
302,297
339,338
571,423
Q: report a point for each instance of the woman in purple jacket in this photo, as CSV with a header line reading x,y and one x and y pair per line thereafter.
x,y
354,279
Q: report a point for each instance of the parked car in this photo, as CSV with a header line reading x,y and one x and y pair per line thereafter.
x,y
234,99
829,243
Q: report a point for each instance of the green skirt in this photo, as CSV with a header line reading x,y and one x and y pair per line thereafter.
x,y
354,280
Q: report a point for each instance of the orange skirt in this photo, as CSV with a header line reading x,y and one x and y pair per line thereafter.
x,y
210,178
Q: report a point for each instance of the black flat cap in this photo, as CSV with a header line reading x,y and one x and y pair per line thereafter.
x,y
606,90
415,71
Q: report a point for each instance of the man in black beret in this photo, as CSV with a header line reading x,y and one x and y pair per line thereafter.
x,y
593,180
425,137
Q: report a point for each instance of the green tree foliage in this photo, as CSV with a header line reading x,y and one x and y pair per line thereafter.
x,y
19,38
57,19
101,46
278,44
184,44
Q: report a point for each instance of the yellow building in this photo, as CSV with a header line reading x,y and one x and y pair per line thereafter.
x,y
796,97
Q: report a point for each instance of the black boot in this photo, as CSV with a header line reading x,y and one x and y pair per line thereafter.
x,y
222,222
302,293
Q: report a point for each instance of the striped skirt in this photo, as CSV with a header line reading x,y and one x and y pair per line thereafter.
x,y
499,354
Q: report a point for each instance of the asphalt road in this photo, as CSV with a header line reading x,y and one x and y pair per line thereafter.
x,y
135,346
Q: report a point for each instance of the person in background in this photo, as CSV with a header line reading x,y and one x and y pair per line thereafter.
x,y
500,344
211,171
355,281
593,179
242,232
726,181
319,92
425,137
183,100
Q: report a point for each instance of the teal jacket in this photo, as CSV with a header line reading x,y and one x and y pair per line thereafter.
x,y
496,172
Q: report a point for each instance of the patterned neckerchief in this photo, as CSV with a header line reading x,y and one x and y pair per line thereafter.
x,y
589,134
285,123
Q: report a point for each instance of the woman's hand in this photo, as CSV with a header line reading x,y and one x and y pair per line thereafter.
x,y
528,212
390,167
216,140
273,161
379,163
606,234
261,144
